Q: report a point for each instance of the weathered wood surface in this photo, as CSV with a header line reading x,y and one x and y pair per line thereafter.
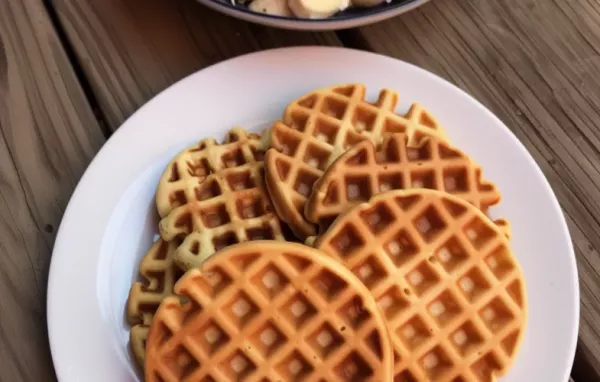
x,y
132,49
536,65
48,136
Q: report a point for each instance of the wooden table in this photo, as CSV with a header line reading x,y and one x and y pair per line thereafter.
x,y
72,70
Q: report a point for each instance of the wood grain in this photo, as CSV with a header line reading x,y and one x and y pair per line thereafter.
x,y
132,49
536,65
532,62
48,136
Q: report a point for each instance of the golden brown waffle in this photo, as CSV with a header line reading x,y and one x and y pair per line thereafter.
x,y
445,277
230,206
319,127
366,170
194,164
159,274
267,312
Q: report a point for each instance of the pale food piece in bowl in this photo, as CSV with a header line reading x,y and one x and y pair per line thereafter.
x,y
317,9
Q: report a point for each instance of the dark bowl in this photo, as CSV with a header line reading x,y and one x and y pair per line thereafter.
x,y
350,18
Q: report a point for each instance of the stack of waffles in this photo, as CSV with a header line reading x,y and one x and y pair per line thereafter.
x,y
347,242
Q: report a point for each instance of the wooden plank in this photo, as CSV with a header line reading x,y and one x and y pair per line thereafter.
x,y
131,50
48,136
536,65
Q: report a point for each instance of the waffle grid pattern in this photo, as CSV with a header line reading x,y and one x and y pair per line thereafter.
x,y
318,128
365,171
160,274
229,207
269,316
194,164
444,275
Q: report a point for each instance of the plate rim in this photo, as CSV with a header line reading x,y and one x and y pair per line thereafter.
x,y
52,297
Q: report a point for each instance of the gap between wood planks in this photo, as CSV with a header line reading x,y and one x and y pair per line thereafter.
x,y
81,77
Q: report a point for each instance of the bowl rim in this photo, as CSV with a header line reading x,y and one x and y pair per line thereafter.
x,y
369,12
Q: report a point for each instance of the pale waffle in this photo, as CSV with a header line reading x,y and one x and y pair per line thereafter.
x,y
159,274
366,170
195,163
230,206
319,127
269,312
452,292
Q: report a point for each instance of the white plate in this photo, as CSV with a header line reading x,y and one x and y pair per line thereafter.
x,y
111,221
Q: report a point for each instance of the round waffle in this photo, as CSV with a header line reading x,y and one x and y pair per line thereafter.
x,y
269,311
195,163
319,127
159,274
452,292
230,206
366,170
